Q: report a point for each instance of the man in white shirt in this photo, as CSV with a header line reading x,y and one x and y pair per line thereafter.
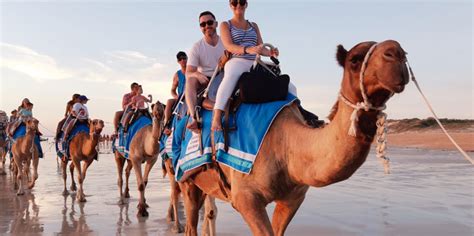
x,y
79,110
202,61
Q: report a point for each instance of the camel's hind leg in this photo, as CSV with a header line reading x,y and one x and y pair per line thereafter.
x,y
193,200
173,208
141,188
210,215
128,170
64,173
35,172
80,194
73,182
284,212
85,166
120,161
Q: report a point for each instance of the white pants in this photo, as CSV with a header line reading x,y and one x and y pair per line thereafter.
x,y
233,69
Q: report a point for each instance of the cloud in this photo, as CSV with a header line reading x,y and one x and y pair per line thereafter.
x,y
27,61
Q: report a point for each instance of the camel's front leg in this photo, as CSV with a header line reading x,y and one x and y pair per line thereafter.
x,y
120,163
18,177
193,200
141,188
85,166
73,182
80,194
252,208
64,170
35,172
149,164
128,170
210,215
285,210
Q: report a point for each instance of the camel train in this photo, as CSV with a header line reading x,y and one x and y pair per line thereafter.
x,y
292,156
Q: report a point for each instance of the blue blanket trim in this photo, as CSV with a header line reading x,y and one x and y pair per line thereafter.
x,y
21,132
244,143
125,139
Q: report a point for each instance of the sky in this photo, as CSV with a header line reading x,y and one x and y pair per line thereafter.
x,y
52,49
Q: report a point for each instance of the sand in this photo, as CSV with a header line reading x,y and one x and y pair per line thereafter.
x,y
430,192
432,140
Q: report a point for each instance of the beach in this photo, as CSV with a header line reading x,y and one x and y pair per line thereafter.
x,y
429,192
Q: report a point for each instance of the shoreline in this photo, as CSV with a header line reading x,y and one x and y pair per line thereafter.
x,y
431,139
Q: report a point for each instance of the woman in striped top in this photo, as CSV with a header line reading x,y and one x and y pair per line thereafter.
x,y
244,41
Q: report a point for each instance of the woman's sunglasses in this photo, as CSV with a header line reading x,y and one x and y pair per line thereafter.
x,y
236,2
209,23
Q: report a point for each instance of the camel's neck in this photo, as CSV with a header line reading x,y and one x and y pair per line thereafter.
x,y
29,139
89,148
152,140
329,155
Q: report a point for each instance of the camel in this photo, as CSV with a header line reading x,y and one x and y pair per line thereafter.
x,y
294,157
24,153
145,147
175,191
120,161
82,148
3,154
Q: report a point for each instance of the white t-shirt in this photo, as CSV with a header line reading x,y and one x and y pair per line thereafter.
x,y
205,57
81,111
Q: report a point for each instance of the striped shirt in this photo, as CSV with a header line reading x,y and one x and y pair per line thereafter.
x,y
244,38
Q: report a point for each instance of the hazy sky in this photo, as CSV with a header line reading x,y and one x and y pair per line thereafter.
x,y
50,50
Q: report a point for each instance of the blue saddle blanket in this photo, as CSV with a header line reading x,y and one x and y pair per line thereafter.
x,y
62,147
252,122
21,132
122,144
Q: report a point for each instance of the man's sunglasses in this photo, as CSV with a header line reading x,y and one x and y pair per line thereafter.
x,y
182,58
209,23
236,2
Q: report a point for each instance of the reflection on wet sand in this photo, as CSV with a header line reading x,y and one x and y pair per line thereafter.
x,y
71,222
428,193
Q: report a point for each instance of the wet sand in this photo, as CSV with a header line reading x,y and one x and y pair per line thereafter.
x,y
429,192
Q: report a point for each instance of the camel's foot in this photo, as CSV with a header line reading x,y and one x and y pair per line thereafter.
x,y
31,185
20,192
126,194
177,229
65,192
121,201
3,172
73,187
81,198
142,212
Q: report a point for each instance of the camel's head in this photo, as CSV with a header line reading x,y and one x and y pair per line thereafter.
x,y
385,73
96,126
158,110
32,124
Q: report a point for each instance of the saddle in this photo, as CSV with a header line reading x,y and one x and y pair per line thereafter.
x,y
130,116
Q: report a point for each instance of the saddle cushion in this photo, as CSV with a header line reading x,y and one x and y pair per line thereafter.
x,y
122,144
21,132
62,146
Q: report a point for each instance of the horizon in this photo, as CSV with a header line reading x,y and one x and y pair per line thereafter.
x,y
50,50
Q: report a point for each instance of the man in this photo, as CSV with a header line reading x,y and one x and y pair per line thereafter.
x,y
126,100
69,105
203,59
179,80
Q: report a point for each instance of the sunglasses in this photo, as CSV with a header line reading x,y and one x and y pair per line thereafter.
x,y
182,58
236,2
209,23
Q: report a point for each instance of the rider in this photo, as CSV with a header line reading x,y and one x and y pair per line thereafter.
x,y
67,113
203,59
179,80
136,103
127,98
79,112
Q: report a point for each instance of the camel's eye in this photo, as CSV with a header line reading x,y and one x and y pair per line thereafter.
x,y
356,59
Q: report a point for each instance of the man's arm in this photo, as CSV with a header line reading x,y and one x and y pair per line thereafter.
x,y
192,72
174,85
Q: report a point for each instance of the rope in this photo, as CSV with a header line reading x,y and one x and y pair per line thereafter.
x,y
412,75
382,141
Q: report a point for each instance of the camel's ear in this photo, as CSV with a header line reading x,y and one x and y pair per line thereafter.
x,y
341,55
152,106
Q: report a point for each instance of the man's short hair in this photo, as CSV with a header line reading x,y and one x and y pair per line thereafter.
x,y
133,85
14,111
180,55
207,13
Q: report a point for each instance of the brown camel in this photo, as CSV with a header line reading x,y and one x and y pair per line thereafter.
x,y
175,191
3,155
82,148
120,161
24,152
294,156
145,147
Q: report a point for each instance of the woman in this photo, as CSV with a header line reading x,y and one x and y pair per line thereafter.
x,y
242,38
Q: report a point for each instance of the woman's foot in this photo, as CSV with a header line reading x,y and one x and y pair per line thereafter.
x,y
216,121
193,126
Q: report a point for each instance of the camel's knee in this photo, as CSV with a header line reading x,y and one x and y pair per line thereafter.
x,y
141,187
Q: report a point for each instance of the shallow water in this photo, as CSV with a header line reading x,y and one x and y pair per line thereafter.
x,y
428,193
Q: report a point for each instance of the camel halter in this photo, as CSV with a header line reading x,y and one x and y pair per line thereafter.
x,y
381,132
